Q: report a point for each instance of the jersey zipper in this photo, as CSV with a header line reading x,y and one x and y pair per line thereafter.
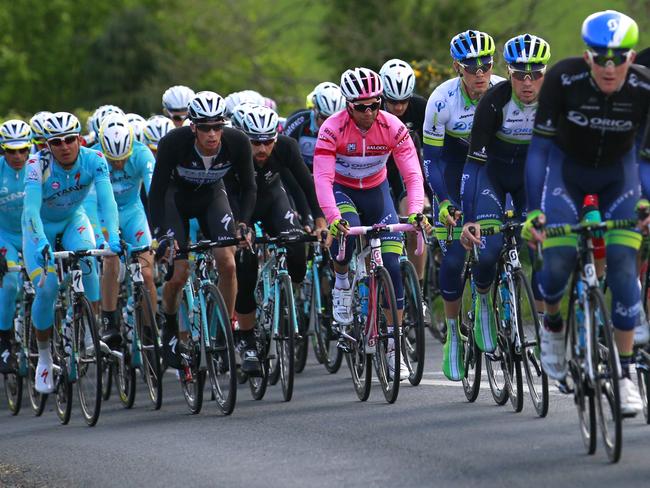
x,y
363,156
602,134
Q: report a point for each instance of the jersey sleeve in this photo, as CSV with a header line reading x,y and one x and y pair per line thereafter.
x,y
243,165
550,106
436,117
408,164
147,162
644,160
300,172
160,182
324,171
31,221
105,197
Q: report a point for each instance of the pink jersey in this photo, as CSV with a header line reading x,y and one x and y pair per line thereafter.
x,y
346,155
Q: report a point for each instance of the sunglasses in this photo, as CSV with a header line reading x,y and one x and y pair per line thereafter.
x,y
209,127
57,141
178,118
267,142
320,116
604,60
362,107
522,75
397,102
475,68
22,150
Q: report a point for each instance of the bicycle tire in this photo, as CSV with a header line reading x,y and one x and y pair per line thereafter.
x,y
258,384
384,293
63,386
431,293
89,366
332,355
13,381
583,393
643,380
536,378
107,380
286,335
149,344
314,317
220,354
301,344
607,394
190,377
413,350
359,363
36,399
473,357
495,362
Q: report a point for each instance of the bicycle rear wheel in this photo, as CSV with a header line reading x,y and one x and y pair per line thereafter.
x,y
472,354
495,362
258,384
89,362
301,343
412,324
359,362
385,310
327,338
13,382
107,379
149,339
284,343
36,399
643,380
605,359
431,293
528,326
220,353
62,385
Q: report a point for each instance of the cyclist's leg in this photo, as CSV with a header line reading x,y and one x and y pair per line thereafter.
x,y
9,245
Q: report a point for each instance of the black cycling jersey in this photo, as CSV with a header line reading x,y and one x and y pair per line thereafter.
x,y
301,128
592,128
643,58
179,165
413,117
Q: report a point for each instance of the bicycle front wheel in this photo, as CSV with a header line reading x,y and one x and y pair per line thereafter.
x,y
472,354
388,347
220,352
284,343
528,326
36,399
89,362
13,382
605,358
62,385
148,335
412,324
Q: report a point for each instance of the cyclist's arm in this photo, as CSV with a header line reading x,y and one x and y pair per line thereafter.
x,y
487,120
324,171
297,195
435,117
105,198
31,221
243,164
165,161
298,169
148,161
548,110
644,160
408,164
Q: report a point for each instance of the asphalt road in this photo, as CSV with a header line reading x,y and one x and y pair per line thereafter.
x,y
324,437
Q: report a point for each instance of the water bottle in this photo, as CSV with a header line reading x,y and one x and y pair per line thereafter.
x,y
591,214
68,332
18,328
505,299
363,297
127,318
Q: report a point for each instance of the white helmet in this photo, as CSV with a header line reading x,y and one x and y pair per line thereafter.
x,y
98,115
176,98
360,83
137,123
207,106
240,97
260,123
155,129
15,134
398,79
37,124
61,124
116,137
327,98
238,114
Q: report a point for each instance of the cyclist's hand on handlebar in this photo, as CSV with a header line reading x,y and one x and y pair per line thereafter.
x,y
471,235
643,214
338,227
163,251
533,229
448,214
246,234
420,221
43,253
320,226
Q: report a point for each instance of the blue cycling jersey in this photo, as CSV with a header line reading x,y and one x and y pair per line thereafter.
x,y
137,170
12,193
53,194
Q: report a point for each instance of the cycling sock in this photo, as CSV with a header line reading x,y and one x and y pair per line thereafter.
x,y
109,318
626,360
44,352
342,281
553,322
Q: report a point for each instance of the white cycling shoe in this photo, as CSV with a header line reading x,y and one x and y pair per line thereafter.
x,y
404,372
631,403
342,305
44,377
553,353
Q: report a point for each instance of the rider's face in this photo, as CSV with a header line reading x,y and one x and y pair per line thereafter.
x,y
262,150
364,112
17,157
611,76
65,149
208,137
526,89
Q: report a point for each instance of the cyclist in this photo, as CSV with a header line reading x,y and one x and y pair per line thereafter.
x,y
244,96
137,123
36,124
155,129
188,183
503,126
16,142
56,183
447,126
130,164
174,103
303,126
584,137
643,57
350,174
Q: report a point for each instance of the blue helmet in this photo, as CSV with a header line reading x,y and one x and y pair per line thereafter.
x,y
527,49
610,30
471,44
